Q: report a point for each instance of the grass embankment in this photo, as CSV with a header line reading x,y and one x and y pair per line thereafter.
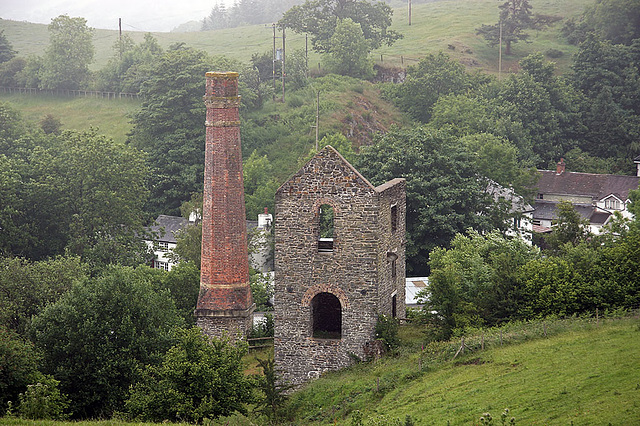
x,y
581,373
585,375
435,26
110,116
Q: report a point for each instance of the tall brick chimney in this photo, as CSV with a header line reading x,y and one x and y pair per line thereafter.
x,y
225,305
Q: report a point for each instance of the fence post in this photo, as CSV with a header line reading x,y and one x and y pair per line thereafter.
x,y
500,337
482,342
597,319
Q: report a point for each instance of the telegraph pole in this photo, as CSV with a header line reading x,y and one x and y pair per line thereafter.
x,y
500,54
274,61
120,32
283,59
409,12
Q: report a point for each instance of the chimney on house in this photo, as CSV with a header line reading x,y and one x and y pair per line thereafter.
x,y
225,305
637,161
560,167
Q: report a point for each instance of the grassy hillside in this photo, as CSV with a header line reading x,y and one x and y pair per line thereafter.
x,y
586,375
582,373
436,26
110,117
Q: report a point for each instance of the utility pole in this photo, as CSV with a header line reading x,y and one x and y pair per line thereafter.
x,y
317,118
120,31
500,54
283,59
409,12
274,61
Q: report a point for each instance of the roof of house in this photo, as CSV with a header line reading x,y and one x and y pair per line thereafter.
x,y
517,203
412,286
597,186
167,227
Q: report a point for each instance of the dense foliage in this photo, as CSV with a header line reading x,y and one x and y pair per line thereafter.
x,y
97,337
445,195
483,280
198,378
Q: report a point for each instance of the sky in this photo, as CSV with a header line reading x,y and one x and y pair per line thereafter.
x,y
137,15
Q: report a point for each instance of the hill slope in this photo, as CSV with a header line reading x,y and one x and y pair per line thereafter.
x,y
447,25
589,375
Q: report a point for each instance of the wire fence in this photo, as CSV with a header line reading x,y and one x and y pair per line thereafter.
x,y
69,93
516,332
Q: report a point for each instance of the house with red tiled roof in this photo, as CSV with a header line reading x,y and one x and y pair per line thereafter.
x,y
595,196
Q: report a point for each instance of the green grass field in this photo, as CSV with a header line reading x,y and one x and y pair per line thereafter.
x,y
586,375
582,373
110,117
435,26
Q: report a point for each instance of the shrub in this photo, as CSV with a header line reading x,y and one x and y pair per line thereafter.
x,y
43,401
387,331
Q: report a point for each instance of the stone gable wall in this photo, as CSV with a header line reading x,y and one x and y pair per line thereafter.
x,y
351,272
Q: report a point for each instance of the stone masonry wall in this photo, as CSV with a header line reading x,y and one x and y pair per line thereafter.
x,y
351,272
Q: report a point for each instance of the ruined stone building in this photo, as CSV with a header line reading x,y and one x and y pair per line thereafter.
x,y
339,262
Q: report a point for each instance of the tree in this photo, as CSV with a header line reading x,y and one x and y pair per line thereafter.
x,y
615,20
169,126
90,194
515,18
320,18
475,282
96,339
434,76
445,194
70,51
198,378
30,286
18,366
569,227
348,53
6,49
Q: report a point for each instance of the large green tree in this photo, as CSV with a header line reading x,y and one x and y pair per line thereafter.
x,y
27,287
96,338
6,49
475,282
515,18
445,194
70,51
349,51
320,18
170,126
90,194
198,378
434,76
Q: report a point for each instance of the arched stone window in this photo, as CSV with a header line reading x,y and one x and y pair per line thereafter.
x,y
326,316
325,231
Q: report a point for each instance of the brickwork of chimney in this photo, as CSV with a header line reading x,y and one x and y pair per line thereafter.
x,y
225,304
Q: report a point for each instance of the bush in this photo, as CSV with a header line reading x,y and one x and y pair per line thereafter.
x,y
43,401
387,331
198,378
554,53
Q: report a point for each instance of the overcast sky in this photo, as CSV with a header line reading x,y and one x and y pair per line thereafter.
x,y
137,15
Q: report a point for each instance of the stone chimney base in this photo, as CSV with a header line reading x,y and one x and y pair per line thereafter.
x,y
232,324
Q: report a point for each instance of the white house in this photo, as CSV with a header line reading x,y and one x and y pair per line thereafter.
x,y
594,196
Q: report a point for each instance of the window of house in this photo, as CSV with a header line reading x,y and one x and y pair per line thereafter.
x,y
163,246
540,196
536,222
161,265
394,218
393,268
326,316
612,203
325,234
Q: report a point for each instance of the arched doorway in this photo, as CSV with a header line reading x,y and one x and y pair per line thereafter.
x,y
326,316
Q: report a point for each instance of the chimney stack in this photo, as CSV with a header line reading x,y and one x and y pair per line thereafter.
x,y
560,167
225,305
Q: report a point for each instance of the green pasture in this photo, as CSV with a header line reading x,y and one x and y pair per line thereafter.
x,y
443,25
